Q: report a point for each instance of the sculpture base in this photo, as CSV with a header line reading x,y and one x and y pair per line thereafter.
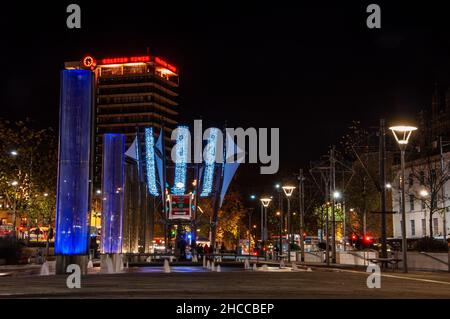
x,y
62,261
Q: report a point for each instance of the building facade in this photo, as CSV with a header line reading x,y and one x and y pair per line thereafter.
x,y
423,194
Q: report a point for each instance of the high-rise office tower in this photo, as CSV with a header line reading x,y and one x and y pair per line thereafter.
x,y
131,93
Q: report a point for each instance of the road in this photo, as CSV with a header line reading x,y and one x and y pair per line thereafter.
x,y
320,283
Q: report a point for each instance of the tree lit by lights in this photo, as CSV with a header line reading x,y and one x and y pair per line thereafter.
x,y
210,156
150,161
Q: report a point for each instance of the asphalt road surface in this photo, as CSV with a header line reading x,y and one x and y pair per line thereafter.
x,y
320,283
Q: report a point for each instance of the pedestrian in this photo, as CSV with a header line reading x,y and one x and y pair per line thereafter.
x,y
194,249
206,249
38,256
222,248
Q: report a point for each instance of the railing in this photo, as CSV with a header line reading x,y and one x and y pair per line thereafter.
x,y
142,257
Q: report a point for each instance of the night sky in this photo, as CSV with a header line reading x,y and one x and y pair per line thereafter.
x,y
307,69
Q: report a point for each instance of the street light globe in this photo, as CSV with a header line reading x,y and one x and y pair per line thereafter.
x,y
252,196
402,133
265,201
278,213
423,193
277,186
336,195
14,153
14,183
288,190
388,185
45,194
98,191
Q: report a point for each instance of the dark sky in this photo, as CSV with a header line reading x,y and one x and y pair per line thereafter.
x,y
307,69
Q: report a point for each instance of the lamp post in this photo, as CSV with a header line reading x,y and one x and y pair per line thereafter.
x,y
423,195
336,196
250,211
402,135
288,190
280,233
280,210
14,207
264,204
301,199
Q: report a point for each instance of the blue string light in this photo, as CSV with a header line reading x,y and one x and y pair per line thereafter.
x,y
210,159
181,158
150,161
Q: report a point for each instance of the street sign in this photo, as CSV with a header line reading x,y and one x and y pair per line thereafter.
x,y
180,206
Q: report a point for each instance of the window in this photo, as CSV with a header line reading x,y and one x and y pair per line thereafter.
x,y
424,227
422,202
413,227
422,178
411,202
411,180
435,226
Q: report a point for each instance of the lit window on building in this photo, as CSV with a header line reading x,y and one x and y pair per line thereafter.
x,y
411,202
435,226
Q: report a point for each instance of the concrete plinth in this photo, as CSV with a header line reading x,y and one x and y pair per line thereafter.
x,y
62,261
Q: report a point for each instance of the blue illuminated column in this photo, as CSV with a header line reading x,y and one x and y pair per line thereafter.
x,y
181,159
113,179
72,203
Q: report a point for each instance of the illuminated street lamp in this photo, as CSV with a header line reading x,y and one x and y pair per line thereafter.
x,y
388,186
288,190
423,193
14,183
402,135
14,153
265,202
336,195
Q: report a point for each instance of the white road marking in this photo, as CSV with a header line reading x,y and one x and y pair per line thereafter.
x,y
394,276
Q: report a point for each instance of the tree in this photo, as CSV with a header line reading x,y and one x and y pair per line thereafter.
x,y
28,159
363,192
231,217
427,171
